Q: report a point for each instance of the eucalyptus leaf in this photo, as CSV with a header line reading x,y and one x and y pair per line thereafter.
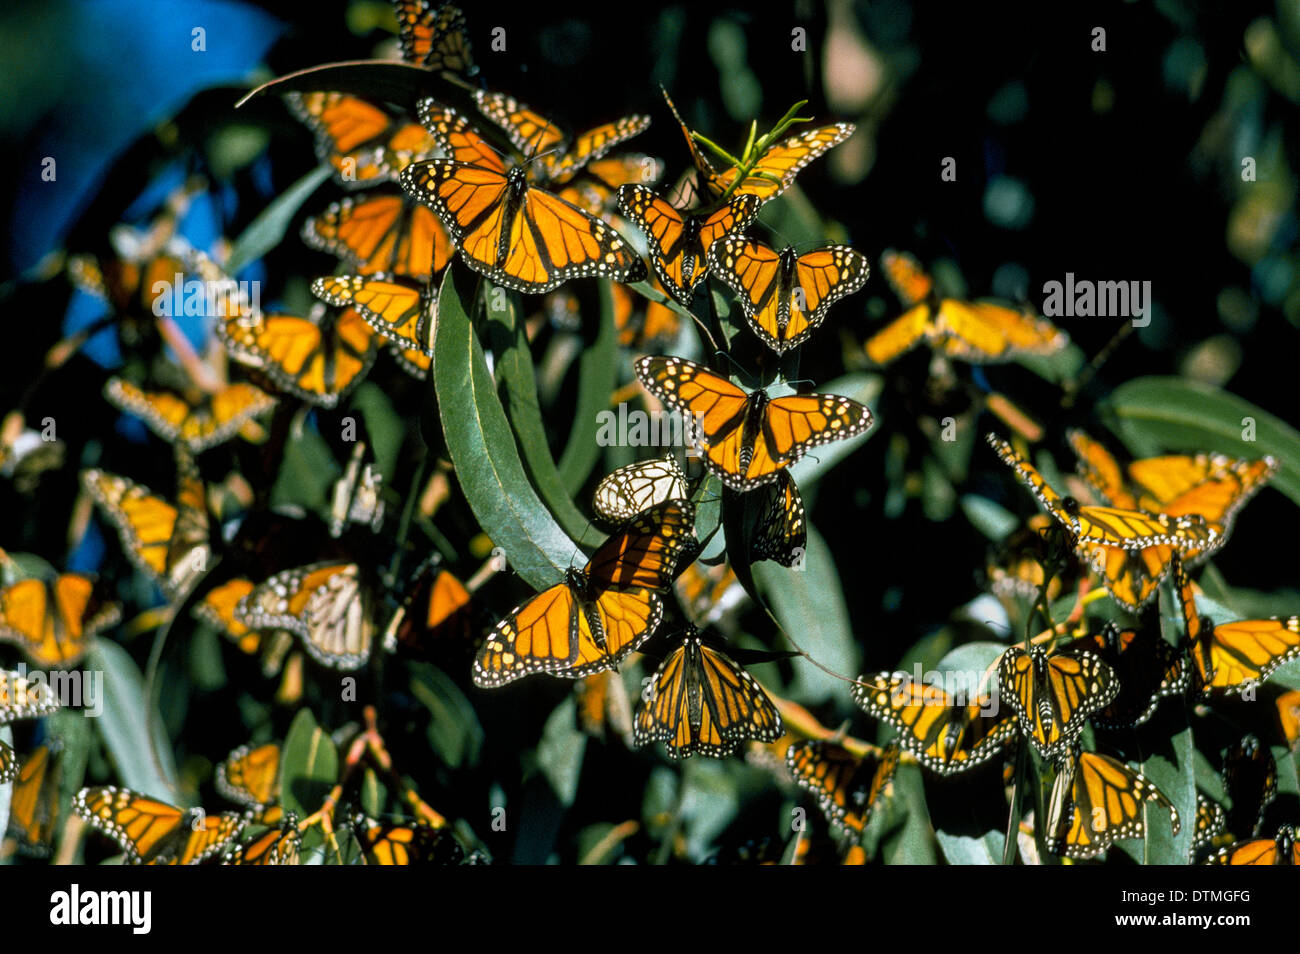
x,y
482,447
268,230
309,766
143,759
596,380
1167,414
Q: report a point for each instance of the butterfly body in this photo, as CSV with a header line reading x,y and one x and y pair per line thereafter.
x,y
947,733
700,701
679,242
749,438
785,296
596,616
1053,694
54,621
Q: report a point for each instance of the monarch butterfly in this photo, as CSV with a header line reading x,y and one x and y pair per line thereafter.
x,y
279,845
1212,485
1288,717
34,805
946,734
1015,566
710,594
356,495
561,156
1108,526
1280,850
439,611
317,359
597,616
401,311
1229,658
679,242
782,534
382,234
773,171
406,843
168,542
20,698
199,424
363,143
1250,778
1211,822
748,439
126,282
847,786
1148,669
1097,800
635,488
699,700
324,604
250,775
518,236
785,295
153,832
977,332
434,37
54,621
217,609
1053,694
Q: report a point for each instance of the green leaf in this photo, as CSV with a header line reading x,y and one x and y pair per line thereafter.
x,y
1165,414
809,604
309,767
454,732
482,447
307,473
509,342
560,751
124,726
268,230
861,387
596,379
913,843
385,426
990,519
985,849
1175,775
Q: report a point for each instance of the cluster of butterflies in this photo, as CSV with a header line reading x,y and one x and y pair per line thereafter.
x,y
437,186
261,832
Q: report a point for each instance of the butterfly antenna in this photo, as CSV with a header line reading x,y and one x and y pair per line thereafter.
x,y
740,372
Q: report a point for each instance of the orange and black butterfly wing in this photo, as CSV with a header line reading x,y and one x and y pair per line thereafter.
x,y
382,234
847,786
1148,669
776,169
645,552
318,361
398,309
34,805
250,775
361,141
407,843
434,37
522,238
781,533
717,408
786,296
1097,800
1053,694
1250,778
